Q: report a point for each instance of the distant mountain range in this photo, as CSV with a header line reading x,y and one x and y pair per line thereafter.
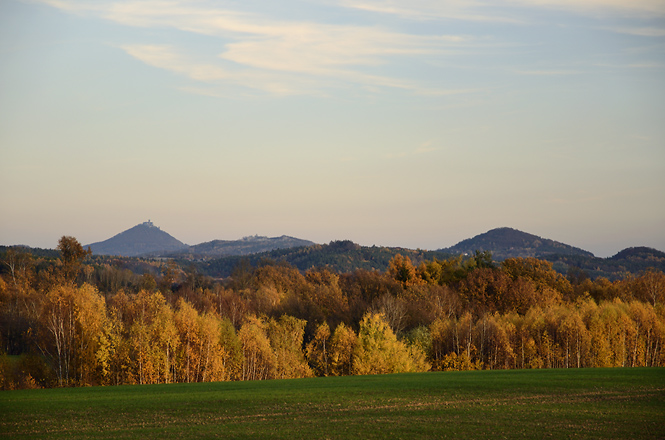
x,y
148,240
218,258
510,243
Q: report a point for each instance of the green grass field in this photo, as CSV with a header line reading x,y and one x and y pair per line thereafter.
x,y
580,404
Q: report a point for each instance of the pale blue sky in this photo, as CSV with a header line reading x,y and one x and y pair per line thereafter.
x,y
412,123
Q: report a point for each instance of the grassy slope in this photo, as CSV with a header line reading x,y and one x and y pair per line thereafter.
x,y
589,403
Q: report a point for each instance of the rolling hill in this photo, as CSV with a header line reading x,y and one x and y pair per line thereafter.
x,y
632,260
510,243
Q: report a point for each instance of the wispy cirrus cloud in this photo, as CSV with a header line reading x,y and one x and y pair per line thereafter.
x,y
431,9
548,72
280,82
169,58
271,55
640,31
317,56
424,148
501,10
638,8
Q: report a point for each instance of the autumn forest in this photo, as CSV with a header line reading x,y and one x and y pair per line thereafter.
x,y
80,321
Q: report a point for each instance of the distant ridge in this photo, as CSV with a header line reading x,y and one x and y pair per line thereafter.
x,y
510,243
641,253
246,246
144,238
218,258
342,256
148,240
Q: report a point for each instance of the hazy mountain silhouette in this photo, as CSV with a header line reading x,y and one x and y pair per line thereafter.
x,y
148,240
246,246
142,239
510,243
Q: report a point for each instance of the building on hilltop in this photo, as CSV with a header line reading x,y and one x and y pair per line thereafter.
x,y
150,224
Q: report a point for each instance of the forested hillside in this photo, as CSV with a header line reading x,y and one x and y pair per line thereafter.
x,y
346,256
629,261
339,256
245,246
80,320
511,243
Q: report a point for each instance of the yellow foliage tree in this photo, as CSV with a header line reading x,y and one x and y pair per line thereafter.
x,y
286,339
401,269
258,357
233,359
59,330
90,315
378,351
342,346
212,354
113,352
186,321
317,350
72,321
153,337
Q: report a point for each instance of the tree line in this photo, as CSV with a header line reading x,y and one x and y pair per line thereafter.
x,y
79,321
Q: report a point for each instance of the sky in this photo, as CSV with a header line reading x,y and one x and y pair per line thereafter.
x,y
411,123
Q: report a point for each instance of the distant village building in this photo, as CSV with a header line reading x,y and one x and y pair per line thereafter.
x,y
150,224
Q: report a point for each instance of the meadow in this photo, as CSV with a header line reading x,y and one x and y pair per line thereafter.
x,y
509,404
